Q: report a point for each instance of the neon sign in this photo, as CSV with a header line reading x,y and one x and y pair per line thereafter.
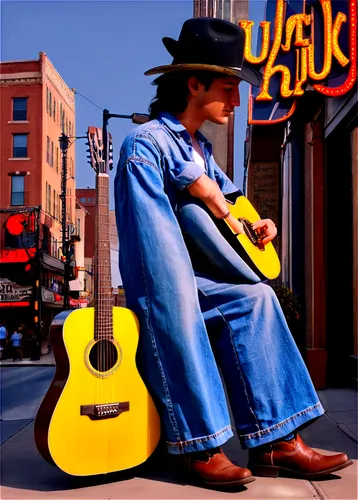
x,y
12,292
292,36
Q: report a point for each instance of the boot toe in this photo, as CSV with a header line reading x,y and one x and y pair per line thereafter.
x,y
244,473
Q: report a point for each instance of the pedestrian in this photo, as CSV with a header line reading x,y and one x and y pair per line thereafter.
x,y
204,309
16,343
3,338
35,349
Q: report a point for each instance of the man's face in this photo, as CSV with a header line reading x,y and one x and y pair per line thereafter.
x,y
218,103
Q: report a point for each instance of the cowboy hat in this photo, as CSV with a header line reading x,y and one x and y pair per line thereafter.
x,y
210,44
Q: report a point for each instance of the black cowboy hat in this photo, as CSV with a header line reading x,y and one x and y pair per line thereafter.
x,y
211,44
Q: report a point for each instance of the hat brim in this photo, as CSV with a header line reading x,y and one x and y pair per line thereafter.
x,y
246,73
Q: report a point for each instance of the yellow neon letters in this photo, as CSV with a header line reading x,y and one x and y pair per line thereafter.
x,y
304,48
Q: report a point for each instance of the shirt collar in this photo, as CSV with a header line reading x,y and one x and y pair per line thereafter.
x,y
176,126
173,123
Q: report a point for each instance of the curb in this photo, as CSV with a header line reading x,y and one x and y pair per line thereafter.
x,y
45,360
14,363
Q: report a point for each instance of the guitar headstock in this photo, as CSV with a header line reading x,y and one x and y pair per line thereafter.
x,y
96,150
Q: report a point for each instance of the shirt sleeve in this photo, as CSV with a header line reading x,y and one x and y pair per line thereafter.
x,y
225,184
183,173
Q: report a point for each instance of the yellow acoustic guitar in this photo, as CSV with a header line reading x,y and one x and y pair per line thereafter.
x,y
97,416
262,259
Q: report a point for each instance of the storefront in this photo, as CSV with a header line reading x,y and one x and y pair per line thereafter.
x,y
302,165
52,290
32,282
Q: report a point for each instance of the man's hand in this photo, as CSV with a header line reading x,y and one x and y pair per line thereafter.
x,y
209,192
266,228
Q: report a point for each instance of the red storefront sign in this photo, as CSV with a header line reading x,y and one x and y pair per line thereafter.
x,y
14,255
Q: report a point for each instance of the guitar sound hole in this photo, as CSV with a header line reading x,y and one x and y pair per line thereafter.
x,y
103,355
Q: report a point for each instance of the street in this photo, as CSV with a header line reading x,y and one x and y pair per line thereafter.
x,y
26,475
22,390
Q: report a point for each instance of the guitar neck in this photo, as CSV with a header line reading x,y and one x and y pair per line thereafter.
x,y
103,280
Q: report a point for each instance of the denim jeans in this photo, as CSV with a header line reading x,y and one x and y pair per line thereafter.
x,y
193,323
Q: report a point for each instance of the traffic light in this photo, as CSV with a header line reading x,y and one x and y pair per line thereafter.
x,y
110,152
70,256
89,149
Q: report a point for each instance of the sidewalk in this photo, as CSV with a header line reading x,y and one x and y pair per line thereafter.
x,y
45,360
25,475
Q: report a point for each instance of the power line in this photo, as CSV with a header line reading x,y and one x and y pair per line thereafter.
x,y
94,104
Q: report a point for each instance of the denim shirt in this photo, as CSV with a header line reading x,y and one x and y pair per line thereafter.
x,y
155,166
166,145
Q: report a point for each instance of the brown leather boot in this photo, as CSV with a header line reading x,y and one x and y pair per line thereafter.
x,y
294,458
214,469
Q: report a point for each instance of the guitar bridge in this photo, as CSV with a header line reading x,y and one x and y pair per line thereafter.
x,y
103,411
251,234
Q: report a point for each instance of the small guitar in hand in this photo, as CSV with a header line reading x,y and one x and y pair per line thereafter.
x,y
262,259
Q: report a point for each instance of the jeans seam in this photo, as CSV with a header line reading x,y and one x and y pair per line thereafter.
x,y
263,432
201,439
169,404
236,357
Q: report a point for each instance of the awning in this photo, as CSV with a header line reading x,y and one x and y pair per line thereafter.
x,y
52,264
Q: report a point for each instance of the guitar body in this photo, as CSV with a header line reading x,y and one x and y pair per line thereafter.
x,y
97,416
263,260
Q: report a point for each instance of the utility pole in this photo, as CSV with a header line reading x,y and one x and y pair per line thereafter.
x,y
64,141
64,144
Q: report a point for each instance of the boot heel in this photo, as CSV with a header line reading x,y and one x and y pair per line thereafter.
x,y
265,470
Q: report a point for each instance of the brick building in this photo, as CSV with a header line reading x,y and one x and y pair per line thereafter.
x,y
36,107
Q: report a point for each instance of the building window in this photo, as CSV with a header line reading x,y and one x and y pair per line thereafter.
x,y
17,190
20,146
53,247
50,104
54,109
79,227
48,198
57,159
48,150
51,158
19,108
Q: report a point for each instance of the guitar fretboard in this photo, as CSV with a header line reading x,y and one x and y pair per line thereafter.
x,y
103,280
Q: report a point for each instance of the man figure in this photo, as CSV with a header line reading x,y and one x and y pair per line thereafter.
x,y
207,308
3,335
16,342
3,339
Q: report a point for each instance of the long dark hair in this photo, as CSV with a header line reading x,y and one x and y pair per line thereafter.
x,y
173,91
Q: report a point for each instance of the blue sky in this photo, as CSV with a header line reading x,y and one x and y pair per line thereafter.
x,y
102,48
